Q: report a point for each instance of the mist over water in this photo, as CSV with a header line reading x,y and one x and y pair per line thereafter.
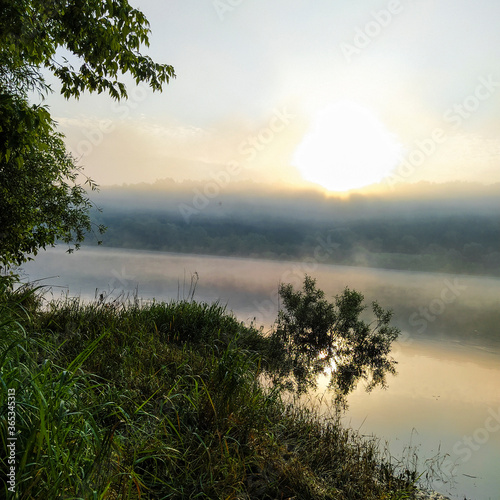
x,y
426,305
446,397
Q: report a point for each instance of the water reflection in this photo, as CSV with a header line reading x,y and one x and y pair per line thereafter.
x,y
445,396
448,388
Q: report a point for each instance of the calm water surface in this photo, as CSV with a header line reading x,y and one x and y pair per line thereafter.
x,y
445,402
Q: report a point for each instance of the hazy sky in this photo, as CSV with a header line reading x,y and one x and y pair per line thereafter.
x,y
341,93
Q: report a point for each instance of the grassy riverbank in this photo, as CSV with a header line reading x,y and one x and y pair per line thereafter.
x,y
122,400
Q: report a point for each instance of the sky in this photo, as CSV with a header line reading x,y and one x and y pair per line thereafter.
x,y
337,95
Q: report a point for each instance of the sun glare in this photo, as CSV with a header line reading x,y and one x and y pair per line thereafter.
x,y
348,147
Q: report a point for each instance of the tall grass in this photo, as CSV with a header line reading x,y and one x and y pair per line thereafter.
x,y
165,400
57,436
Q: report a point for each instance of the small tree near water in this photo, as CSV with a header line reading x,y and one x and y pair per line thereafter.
x,y
314,335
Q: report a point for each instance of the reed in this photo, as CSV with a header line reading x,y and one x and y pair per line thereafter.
x,y
118,400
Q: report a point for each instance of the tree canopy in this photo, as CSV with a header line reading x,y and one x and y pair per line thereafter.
x,y
314,336
40,198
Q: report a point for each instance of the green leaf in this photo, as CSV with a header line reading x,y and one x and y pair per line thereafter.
x,y
41,202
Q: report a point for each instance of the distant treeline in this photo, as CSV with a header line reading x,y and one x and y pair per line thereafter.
x,y
449,243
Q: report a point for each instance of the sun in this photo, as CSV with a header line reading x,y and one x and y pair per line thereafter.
x,y
347,148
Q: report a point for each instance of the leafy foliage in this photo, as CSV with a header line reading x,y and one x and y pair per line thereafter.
x,y
104,35
120,400
40,198
314,335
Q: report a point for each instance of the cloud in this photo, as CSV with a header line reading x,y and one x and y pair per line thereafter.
x,y
142,150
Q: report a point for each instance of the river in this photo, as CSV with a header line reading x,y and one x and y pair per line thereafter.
x,y
444,404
